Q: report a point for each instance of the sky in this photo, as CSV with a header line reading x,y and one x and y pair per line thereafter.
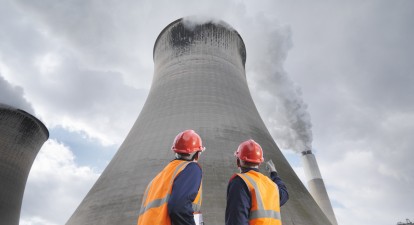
x,y
336,76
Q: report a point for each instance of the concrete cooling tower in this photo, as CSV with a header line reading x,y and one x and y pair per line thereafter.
x,y
199,83
21,137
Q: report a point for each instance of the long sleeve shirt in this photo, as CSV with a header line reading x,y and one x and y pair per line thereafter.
x,y
184,191
239,199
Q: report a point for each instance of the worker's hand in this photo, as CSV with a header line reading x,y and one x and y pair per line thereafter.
x,y
270,166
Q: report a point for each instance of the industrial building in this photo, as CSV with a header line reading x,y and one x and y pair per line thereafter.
x,y
199,83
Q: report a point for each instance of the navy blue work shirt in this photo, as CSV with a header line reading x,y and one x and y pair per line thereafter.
x,y
184,191
239,200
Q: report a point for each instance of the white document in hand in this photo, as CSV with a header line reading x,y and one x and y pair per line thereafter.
x,y
198,218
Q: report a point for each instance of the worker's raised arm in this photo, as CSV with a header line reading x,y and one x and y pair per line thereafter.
x,y
283,193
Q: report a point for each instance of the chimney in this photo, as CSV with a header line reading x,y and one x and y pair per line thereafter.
x,y
316,185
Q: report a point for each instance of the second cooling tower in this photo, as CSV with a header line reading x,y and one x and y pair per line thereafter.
x,y
21,137
199,83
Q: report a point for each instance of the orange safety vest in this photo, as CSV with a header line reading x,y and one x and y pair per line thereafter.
x,y
154,209
264,192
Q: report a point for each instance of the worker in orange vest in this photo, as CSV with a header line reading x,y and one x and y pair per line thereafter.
x,y
253,198
174,195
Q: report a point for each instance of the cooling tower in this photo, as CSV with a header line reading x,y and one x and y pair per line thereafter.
x,y
21,137
316,185
199,83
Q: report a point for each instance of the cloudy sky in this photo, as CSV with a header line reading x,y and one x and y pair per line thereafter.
x,y
345,68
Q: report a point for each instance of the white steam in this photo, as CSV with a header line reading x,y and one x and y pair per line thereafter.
x,y
190,22
287,117
14,96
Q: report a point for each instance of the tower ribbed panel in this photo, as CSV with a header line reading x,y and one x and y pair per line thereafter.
x,y
21,137
199,83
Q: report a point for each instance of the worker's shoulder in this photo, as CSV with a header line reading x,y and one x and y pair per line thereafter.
x,y
235,178
237,184
193,166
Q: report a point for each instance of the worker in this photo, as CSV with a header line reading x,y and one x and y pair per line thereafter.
x,y
174,195
253,198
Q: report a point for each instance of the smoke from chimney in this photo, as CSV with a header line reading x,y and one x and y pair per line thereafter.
x,y
288,118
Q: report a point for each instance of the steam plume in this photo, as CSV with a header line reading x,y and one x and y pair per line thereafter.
x,y
14,96
287,119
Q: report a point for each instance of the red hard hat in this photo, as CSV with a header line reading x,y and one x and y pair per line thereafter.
x,y
187,142
250,151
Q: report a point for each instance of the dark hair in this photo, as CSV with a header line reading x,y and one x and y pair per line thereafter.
x,y
185,156
250,164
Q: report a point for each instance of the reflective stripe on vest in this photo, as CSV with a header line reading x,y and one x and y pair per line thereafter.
x,y
260,212
159,202
196,205
265,214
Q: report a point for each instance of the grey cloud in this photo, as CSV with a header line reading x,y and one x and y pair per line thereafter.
x,y
379,57
103,35
94,97
55,185
71,88
355,72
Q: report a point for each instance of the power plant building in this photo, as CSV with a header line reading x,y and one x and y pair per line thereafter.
x,y
199,83
21,137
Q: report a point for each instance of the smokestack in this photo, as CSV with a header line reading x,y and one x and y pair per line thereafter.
x,y
21,137
316,185
199,83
